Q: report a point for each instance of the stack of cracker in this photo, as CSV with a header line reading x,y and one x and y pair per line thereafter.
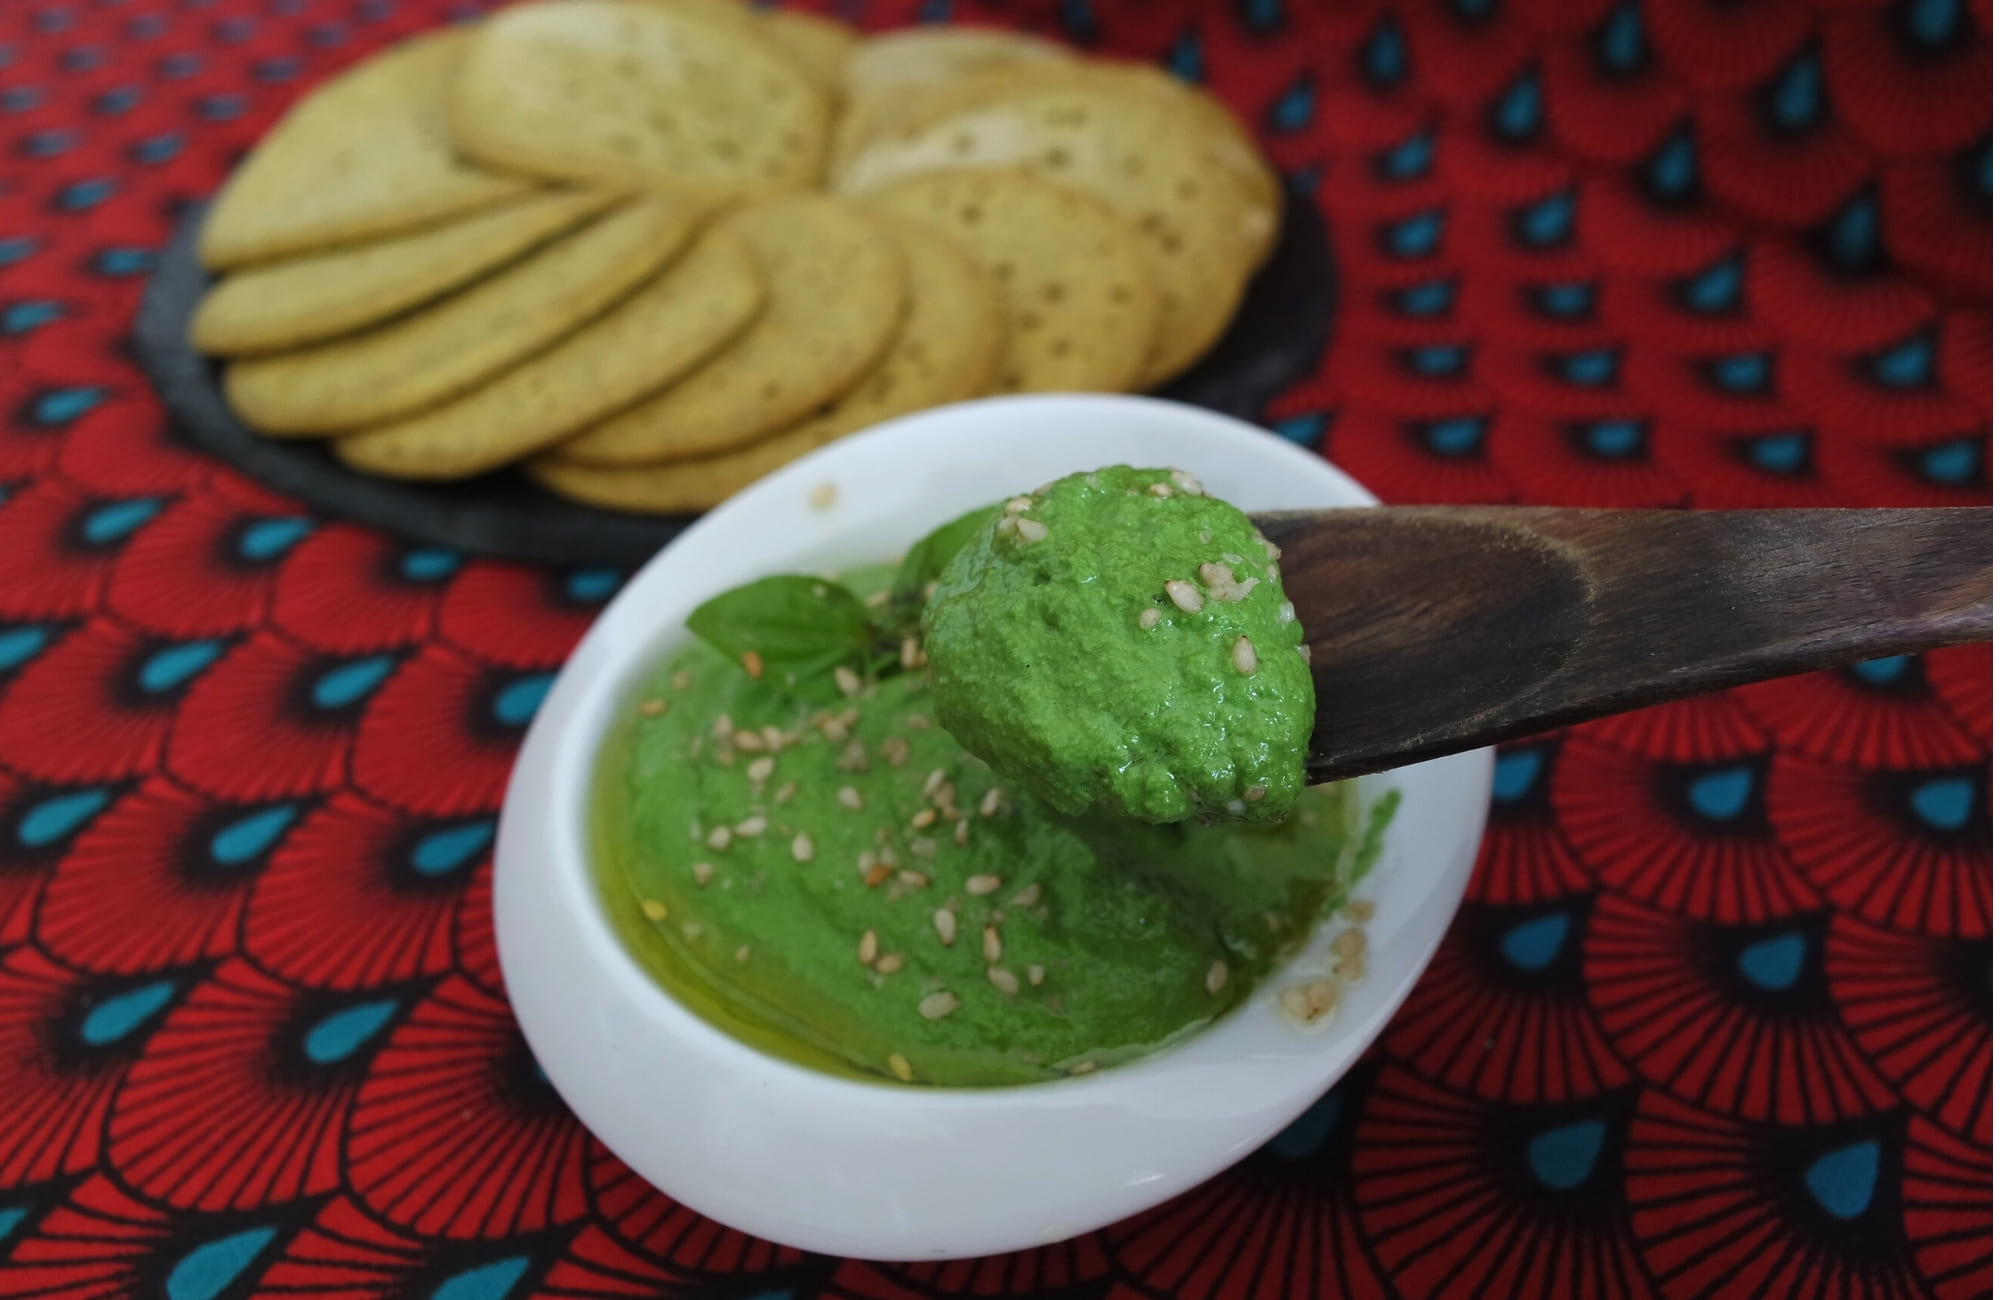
x,y
647,251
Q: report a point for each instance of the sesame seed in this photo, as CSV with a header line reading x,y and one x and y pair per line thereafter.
x,y
867,951
844,678
914,879
750,827
1149,618
723,728
760,771
917,722
944,796
1306,653
1004,980
652,708
1271,572
703,872
989,803
934,780
691,930
1008,526
718,839
900,1067
802,847
946,924
1352,969
1016,505
1311,1001
1036,975
654,909
1351,942
930,589
1270,547
896,750
1218,975
753,663
743,954
1030,530
938,1005
785,792
877,600
980,886
852,759
912,655
1361,910
878,874
1255,793
834,730
1160,490
823,496
1235,806
725,753
1216,577
961,832
682,680
1187,483
1232,557
1206,537
819,589
989,943
1184,596
1083,1067
749,740
849,717
1244,656
924,818
924,846
1027,897
774,739
849,798
889,964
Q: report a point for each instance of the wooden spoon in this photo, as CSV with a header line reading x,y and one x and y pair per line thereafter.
x,y
1437,629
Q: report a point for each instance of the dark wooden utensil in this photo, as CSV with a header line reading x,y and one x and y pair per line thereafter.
x,y
1437,629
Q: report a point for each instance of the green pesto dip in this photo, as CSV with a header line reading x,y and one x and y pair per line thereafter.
x,y
841,883
1119,641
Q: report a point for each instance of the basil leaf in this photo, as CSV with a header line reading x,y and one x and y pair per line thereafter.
x,y
927,558
799,628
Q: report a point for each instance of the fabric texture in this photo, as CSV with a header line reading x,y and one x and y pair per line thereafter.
x,y
1715,1018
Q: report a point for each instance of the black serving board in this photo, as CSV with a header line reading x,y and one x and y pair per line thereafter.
x,y
1277,337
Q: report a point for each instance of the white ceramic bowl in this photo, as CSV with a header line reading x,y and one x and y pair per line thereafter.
x,y
889,1172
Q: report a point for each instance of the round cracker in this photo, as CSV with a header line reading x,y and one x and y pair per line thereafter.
x,y
666,328
320,296
624,91
893,76
1134,155
836,289
366,154
948,349
1081,303
443,350
818,45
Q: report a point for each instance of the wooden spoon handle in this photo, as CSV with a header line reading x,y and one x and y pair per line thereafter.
x,y
1440,629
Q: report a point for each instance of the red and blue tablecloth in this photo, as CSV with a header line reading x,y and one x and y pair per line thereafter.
x,y
1715,1019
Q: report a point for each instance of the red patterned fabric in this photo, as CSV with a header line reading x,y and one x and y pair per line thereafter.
x,y
1715,1018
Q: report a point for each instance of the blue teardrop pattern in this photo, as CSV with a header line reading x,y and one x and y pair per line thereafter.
x,y
430,564
50,21
1716,289
81,196
63,405
1723,794
1621,47
1852,238
1843,1179
1455,436
1293,110
1909,364
350,683
1409,159
1615,439
1306,430
1773,964
1796,99
1438,360
935,11
83,58
1563,1159
327,36
1535,944
265,540
252,836
20,644
1515,773
115,521
1308,1135
181,66
156,149
1547,222
1431,298
206,1271
220,108
1079,19
20,99
175,666
1385,57
1741,372
1416,236
11,1217
1517,114
120,1016
1883,672
1185,59
1263,16
515,704
1950,464
1933,23
486,1282
1672,175
23,317
1944,803
16,248
51,142
1779,453
120,262
1595,368
117,101
592,586
147,27
338,1036
1567,300
276,71
444,851
59,816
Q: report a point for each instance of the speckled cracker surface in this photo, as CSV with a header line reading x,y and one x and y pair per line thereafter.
x,y
320,296
366,154
893,76
835,285
818,46
949,349
638,92
442,351
684,314
1136,156
1081,302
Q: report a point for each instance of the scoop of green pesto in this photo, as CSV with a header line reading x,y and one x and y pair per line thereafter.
x,y
1120,642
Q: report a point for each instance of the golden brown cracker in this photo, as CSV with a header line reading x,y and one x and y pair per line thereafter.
x,y
319,296
836,293
818,45
647,341
627,91
445,349
365,155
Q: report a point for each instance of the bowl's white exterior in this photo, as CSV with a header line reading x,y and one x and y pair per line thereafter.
x,y
888,1172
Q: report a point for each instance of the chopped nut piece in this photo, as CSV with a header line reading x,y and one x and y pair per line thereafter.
x,y
938,1005
889,964
914,879
802,847
785,792
1218,976
924,846
1015,505
1187,483
923,818
1361,911
652,708
900,1067
1184,596
753,663
724,727
654,909
1254,793
867,950
1306,653
961,832
1310,1002
896,750
989,943
751,827
703,872
1149,618
878,874
1083,1067
1352,969
1035,975
912,655
1350,943
834,730
719,838
774,739
946,924
849,797
1027,897
682,680
822,497
846,681
743,954
1004,980
749,740
761,769
1244,656
853,759
989,803
980,886
1030,530
1159,490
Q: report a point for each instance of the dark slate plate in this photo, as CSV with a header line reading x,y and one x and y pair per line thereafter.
x,y
1276,338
